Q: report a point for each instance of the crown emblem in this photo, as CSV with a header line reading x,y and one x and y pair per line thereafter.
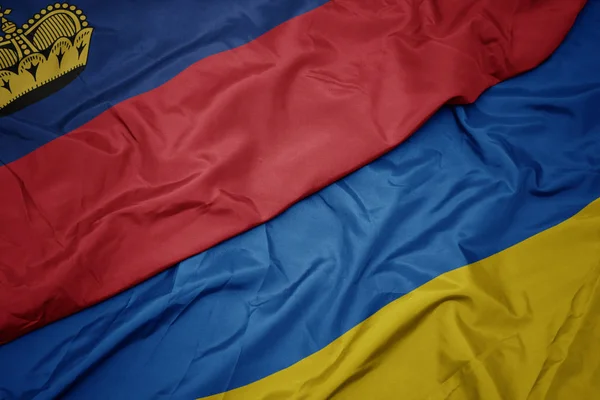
x,y
42,56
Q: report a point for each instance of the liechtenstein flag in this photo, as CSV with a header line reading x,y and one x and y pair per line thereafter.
x,y
137,134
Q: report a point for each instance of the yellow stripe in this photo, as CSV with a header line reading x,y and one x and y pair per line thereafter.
x,y
64,24
8,58
41,38
521,324
54,28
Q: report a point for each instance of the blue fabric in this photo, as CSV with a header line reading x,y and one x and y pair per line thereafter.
x,y
473,181
163,38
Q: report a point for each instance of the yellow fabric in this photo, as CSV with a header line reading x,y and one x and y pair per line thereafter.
x,y
521,324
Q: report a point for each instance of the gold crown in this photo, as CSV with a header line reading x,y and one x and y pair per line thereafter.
x,y
42,56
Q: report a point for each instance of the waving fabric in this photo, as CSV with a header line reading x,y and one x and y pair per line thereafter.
x,y
461,265
167,138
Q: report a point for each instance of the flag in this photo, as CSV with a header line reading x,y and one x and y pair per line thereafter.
x,y
463,264
139,133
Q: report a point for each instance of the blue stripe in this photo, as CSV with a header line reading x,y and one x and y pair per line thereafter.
x,y
472,182
137,45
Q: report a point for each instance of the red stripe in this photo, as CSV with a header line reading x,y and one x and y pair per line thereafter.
x,y
241,135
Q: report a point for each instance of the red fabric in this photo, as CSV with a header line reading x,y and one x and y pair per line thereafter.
x,y
239,136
